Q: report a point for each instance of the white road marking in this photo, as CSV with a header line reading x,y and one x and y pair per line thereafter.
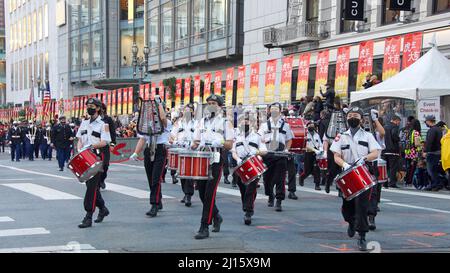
x,y
238,193
42,192
128,165
37,173
82,248
16,179
23,232
417,193
333,193
417,207
138,193
6,219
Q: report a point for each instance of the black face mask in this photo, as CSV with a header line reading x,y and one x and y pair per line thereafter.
x,y
247,128
310,129
91,111
354,122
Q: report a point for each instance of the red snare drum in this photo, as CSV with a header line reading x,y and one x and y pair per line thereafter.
x,y
322,162
355,181
172,155
250,169
299,130
194,165
85,165
382,171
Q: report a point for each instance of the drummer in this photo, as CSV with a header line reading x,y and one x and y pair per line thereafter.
x,y
247,143
353,146
314,149
213,132
181,136
277,135
93,133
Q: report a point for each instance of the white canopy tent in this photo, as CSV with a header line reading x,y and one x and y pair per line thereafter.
x,y
428,77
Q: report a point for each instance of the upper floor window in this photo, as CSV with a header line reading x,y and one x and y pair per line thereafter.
x,y
388,16
198,21
440,6
312,10
217,22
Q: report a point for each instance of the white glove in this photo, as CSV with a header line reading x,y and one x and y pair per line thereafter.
x,y
361,160
346,166
374,114
134,157
217,143
239,161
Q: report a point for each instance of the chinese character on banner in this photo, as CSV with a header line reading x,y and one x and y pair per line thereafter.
x,y
241,84
229,87
153,91
130,100
271,70
218,83
119,102
303,75
142,91
207,87
365,62
197,88
187,90
321,70
178,89
342,69
147,92
254,83
286,78
391,62
412,47
114,103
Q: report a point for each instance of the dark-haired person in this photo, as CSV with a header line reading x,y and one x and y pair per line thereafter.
x,y
392,151
61,138
432,153
413,150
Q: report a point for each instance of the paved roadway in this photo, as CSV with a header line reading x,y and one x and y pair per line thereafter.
x,y
41,207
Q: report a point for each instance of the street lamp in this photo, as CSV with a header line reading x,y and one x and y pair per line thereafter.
x,y
41,86
138,63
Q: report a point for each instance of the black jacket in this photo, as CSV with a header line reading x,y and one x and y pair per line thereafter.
x,y
329,97
392,138
39,136
61,135
433,140
15,132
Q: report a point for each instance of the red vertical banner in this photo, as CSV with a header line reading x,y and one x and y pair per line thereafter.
x,y
342,69
119,102
178,89
412,47
153,91
391,62
286,78
114,102
271,76
125,101
303,75
365,63
197,87
147,92
142,91
254,83
207,87
323,59
187,90
130,100
229,87
109,103
104,100
241,84
218,83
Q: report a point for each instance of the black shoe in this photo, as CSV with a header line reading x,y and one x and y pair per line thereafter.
x,y
153,211
447,188
292,196
351,231
372,225
278,205
61,169
160,206
174,180
317,188
327,188
428,189
393,186
378,209
270,202
101,215
234,185
203,232
248,218
226,181
184,199
386,186
102,185
362,246
301,182
188,201
87,222
217,221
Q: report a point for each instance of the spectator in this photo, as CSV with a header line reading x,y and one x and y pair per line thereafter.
x,y
329,96
392,152
301,106
432,153
308,114
367,84
318,107
413,150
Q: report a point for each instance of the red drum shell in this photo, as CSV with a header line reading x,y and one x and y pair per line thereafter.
x,y
355,181
172,155
382,171
194,165
251,169
85,165
299,131
322,162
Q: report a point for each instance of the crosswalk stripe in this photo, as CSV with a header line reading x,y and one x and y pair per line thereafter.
x,y
37,173
134,192
417,207
237,193
415,193
23,232
42,192
82,248
6,219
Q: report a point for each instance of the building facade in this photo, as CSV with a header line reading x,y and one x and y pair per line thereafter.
x,y
2,55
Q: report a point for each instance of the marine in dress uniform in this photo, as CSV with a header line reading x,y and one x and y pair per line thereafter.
x,y
15,138
217,133
314,148
62,136
93,133
349,147
277,135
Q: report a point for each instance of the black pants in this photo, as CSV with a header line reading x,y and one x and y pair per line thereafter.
x,y
410,169
393,166
207,191
275,176
292,175
188,186
333,168
355,211
226,166
36,149
155,170
2,145
375,196
248,194
311,167
93,197
106,159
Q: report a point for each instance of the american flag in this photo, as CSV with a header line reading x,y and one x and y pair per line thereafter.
x,y
46,100
32,105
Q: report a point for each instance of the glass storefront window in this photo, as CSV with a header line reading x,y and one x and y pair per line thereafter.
x,y
45,20
198,21
139,9
167,32
126,43
124,9
84,51
74,15
39,24
153,31
34,26
96,11
84,13
181,25
96,49
29,32
440,6
218,10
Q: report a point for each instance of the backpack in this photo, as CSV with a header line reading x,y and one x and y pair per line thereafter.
x,y
445,153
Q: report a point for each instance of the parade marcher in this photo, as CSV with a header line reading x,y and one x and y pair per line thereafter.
x,y
356,145
182,136
216,133
61,139
30,137
93,134
277,135
292,171
15,139
46,148
314,148
155,161
392,151
247,143
38,140
106,150
3,133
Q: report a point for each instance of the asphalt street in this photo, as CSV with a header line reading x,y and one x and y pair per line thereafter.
x,y
41,207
